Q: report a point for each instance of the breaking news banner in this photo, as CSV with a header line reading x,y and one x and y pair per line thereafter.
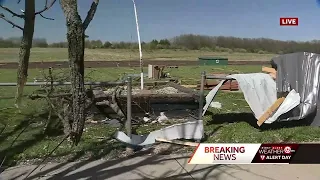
x,y
256,154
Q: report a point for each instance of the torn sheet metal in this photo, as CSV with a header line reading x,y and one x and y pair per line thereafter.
x,y
300,71
291,101
210,96
260,92
188,130
216,105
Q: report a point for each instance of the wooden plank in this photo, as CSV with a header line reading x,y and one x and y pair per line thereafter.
x,y
268,70
273,75
189,86
182,88
193,144
270,111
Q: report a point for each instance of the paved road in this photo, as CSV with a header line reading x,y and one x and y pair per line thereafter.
x,y
162,167
98,64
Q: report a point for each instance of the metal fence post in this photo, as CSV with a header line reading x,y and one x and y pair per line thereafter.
x,y
129,115
201,94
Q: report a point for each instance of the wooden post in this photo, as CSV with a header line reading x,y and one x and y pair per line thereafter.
x,y
201,96
129,97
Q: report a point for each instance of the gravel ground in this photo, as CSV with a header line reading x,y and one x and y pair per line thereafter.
x,y
136,90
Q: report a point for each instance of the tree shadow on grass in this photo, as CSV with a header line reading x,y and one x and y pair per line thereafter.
x,y
23,136
252,121
103,169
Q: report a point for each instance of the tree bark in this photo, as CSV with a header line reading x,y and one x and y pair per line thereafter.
x,y
75,37
26,45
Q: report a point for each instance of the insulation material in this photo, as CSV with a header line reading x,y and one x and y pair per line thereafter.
x,y
300,71
260,92
188,130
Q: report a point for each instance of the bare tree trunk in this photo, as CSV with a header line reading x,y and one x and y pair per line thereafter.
x,y
75,37
26,44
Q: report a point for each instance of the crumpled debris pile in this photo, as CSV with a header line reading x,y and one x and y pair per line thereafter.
x,y
111,122
167,90
160,119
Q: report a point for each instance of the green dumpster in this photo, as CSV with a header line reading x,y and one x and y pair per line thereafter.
x,y
212,61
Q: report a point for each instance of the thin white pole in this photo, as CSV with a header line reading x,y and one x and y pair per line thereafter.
x,y
139,41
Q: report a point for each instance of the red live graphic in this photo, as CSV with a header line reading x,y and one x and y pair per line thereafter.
x,y
289,21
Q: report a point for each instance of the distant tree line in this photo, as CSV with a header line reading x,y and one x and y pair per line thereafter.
x,y
190,42
14,42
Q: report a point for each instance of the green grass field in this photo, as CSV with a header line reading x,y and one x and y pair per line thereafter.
x,y
233,123
60,54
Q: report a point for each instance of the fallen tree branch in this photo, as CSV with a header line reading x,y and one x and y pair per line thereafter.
x,y
38,96
103,103
10,22
113,104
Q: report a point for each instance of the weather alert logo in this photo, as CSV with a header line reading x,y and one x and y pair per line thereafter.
x,y
287,150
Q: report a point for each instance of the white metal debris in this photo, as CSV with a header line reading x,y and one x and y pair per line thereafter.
x,y
259,91
216,105
162,117
188,130
146,117
292,100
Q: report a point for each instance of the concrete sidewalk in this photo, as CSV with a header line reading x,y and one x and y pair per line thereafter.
x,y
161,167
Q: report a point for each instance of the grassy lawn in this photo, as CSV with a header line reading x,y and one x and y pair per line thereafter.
x,y
231,124
60,54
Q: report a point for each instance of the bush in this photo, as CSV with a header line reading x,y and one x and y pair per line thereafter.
x,y
222,49
262,52
240,50
205,49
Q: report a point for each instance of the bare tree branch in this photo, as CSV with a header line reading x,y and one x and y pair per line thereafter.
x,y
19,1
10,22
46,6
13,13
46,17
90,14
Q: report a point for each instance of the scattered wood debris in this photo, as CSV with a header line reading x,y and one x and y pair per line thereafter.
x,y
230,85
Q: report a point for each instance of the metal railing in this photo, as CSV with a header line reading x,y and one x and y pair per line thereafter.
x,y
65,83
